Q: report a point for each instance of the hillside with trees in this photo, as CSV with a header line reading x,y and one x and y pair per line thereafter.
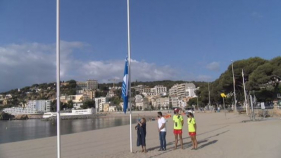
x,y
260,78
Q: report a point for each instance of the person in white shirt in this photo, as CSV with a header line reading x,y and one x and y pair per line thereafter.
x,y
162,131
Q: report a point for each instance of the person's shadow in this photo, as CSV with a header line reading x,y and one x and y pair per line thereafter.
x,y
188,144
207,144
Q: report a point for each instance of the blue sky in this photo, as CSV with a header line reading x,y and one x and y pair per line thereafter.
x,y
171,39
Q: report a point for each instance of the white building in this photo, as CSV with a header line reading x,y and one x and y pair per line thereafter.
x,y
77,105
141,103
112,108
159,90
183,90
181,103
32,107
173,90
99,103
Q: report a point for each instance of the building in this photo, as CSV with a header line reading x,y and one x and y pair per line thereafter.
x,y
32,107
77,105
89,94
92,84
146,90
190,89
81,85
73,98
174,101
159,90
110,94
88,85
121,104
163,103
138,88
112,109
183,90
40,105
181,103
99,103
141,103
173,90
105,107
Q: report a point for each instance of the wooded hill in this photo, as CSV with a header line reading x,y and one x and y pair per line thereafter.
x,y
260,78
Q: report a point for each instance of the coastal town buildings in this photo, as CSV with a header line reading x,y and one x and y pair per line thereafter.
x,y
147,91
32,107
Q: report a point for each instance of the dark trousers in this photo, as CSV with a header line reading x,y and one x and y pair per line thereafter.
x,y
162,137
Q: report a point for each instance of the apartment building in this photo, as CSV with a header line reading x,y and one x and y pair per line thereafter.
x,y
159,90
99,103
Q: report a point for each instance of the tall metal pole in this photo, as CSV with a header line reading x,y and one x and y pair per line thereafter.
x,y
245,94
252,116
58,78
209,96
129,64
224,107
197,104
235,108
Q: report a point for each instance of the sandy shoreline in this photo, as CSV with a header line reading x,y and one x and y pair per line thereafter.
x,y
218,138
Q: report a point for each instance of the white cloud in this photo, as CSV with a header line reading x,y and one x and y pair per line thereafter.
x,y
214,66
25,64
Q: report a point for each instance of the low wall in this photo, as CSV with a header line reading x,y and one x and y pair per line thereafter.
x,y
270,112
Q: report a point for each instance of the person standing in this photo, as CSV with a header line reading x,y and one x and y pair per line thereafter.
x,y
141,134
178,124
192,129
162,131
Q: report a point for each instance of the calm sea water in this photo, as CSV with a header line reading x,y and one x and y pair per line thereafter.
x,y
19,130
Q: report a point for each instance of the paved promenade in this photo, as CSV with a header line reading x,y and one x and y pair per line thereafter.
x,y
218,137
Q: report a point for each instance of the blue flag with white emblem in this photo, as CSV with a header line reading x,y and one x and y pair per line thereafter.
x,y
125,87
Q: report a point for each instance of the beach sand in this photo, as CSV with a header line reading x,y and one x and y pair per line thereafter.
x,y
218,137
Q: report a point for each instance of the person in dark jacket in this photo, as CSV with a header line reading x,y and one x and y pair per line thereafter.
x,y
141,134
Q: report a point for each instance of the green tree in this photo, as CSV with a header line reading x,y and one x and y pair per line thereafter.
x,y
70,104
88,104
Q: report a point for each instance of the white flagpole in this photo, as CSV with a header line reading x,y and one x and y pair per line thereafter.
x,y
58,78
235,108
129,65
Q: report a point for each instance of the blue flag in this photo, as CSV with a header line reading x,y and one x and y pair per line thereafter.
x,y
125,87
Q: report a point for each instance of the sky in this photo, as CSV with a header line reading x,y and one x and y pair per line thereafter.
x,y
170,39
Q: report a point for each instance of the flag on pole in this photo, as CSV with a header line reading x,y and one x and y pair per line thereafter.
x,y
125,86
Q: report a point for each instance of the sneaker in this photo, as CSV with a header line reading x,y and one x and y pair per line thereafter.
x,y
164,149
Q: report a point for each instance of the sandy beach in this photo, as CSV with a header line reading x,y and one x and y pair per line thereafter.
x,y
218,137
